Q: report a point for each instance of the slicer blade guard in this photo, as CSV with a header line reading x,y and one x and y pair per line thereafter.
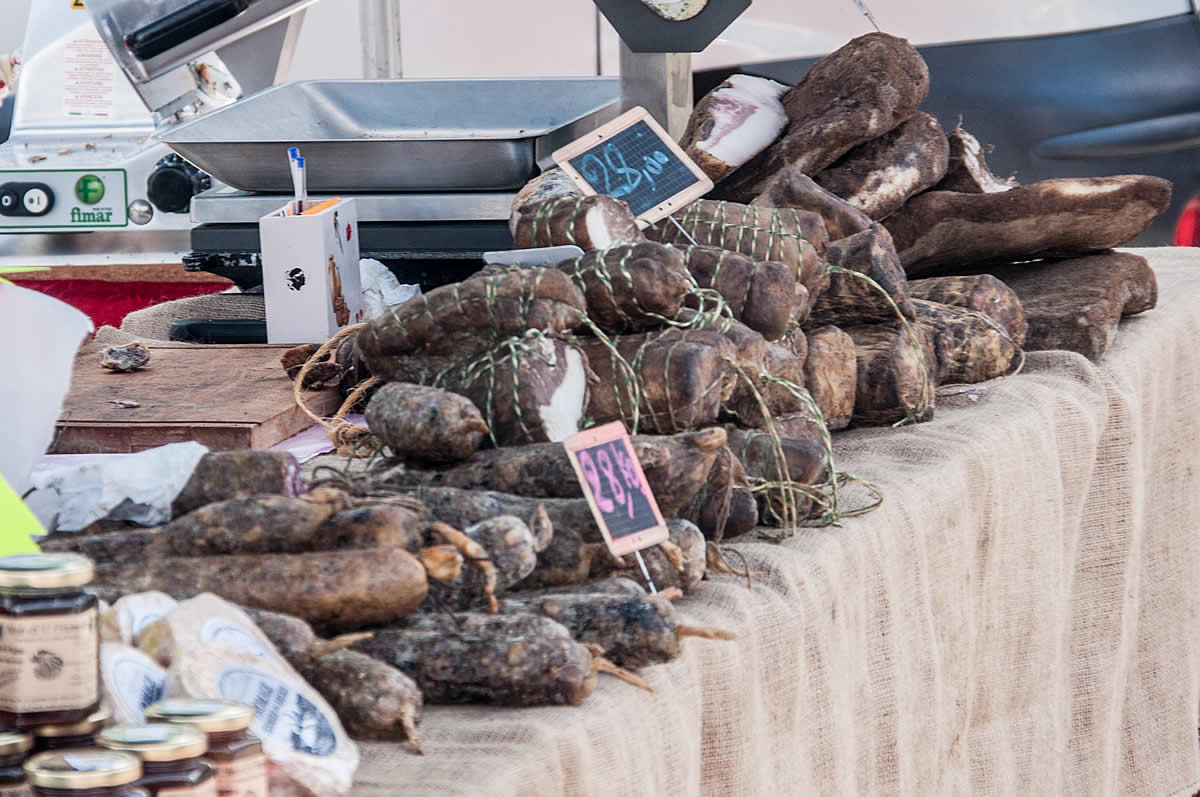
x,y
149,38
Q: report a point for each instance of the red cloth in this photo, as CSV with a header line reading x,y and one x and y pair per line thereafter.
x,y
109,302
1187,230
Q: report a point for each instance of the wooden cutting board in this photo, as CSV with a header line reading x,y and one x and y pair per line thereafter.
x,y
225,397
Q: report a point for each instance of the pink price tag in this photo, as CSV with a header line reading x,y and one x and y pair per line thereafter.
x,y
616,488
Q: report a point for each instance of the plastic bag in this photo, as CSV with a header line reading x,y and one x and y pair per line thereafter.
x,y
381,289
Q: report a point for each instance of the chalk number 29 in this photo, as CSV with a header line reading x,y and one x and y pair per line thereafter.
x,y
612,462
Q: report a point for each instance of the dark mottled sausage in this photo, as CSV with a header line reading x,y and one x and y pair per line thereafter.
x,y
633,631
513,660
372,699
221,475
334,591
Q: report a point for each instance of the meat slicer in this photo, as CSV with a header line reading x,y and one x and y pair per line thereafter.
x,y
81,156
181,159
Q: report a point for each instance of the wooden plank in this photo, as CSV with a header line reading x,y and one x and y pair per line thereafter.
x,y
123,439
167,272
222,396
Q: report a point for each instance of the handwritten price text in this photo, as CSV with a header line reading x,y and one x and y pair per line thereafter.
x,y
612,461
613,169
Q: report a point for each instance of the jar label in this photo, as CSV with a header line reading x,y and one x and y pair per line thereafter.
x,y
206,789
49,663
242,777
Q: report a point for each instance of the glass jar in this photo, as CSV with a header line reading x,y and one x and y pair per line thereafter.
x,y
84,773
13,747
81,734
234,751
171,755
49,641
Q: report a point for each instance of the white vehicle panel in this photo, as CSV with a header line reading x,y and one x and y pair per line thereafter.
x,y
779,29
558,37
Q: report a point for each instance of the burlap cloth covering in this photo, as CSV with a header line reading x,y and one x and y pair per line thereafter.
x,y
1018,618
153,324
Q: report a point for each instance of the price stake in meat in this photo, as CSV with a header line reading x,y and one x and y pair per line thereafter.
x,y
633,159
616,488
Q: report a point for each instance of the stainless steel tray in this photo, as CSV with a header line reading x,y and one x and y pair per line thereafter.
x,y
230,206
395,135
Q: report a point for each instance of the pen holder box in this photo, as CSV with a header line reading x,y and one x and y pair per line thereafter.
x,y
310,272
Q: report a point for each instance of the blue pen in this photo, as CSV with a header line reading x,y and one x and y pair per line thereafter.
x,y
302,190
299,181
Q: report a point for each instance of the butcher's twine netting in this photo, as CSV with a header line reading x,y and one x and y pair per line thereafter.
x,y
507,367
608,267
789,501
778,236
786,503
737,305
915,411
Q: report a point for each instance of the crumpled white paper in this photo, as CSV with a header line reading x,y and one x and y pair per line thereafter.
x,y
537,256
381,289
136,488
43,335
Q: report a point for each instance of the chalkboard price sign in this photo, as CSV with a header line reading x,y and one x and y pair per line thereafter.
x,y
616,488
633,159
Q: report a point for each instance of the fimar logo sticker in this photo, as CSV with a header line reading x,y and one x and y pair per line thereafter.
x,y
92,216
89,189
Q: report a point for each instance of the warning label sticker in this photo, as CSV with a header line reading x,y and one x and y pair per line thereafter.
x,y
90,77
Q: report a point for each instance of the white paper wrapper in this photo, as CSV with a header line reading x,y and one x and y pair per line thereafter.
x,y
125,620
131,680
216,651
137,488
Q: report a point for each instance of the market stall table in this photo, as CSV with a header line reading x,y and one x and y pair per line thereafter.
x,y
1019,617
225,397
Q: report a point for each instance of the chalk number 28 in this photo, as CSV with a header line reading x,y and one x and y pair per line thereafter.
x,y
618,177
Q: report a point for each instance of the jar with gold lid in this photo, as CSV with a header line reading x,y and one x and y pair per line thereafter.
x,y
234,751
49,641
172,758
79,734
84,773
14,746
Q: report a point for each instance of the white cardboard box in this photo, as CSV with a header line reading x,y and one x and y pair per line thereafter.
x,y
37,381
310,273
